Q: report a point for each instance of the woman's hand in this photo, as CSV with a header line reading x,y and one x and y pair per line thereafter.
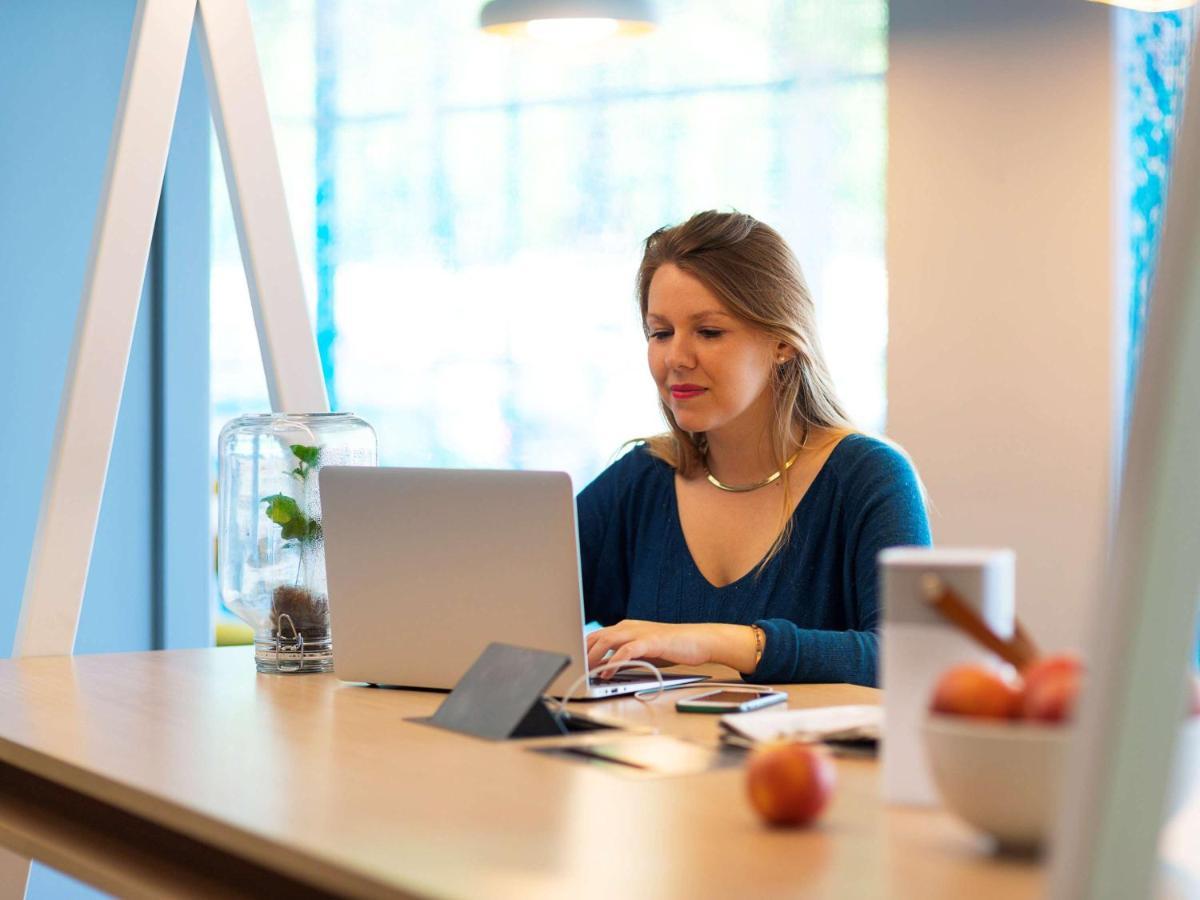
x,y
664,644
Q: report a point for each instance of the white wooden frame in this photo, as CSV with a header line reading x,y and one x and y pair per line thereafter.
x,y
129,198
1107,840
116,269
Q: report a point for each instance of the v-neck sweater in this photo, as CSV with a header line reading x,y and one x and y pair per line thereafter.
x,y
817,600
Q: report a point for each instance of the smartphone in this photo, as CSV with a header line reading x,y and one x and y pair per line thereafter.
x,y
730,700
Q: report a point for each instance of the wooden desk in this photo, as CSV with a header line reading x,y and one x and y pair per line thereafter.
x,y
184,772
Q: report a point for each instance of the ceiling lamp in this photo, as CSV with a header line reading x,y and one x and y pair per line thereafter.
x,y
1149,5
568,19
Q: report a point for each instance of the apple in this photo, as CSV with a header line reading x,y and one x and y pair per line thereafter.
x,y
972,690
789,783
1052,697
1052,686
1051,666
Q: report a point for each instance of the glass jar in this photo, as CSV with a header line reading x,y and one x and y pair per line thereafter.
x,y
270,547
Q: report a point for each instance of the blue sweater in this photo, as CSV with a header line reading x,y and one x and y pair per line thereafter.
x,y
817,601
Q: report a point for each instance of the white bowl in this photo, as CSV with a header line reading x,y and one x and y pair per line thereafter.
x,y
1004,778
1001,777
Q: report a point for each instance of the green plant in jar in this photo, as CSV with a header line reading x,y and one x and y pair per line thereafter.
x,y
306,611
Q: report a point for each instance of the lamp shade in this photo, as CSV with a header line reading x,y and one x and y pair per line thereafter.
x,y
1149,5
574,17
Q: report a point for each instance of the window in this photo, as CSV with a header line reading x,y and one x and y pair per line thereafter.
x,y
469,209
1152,63
1153,58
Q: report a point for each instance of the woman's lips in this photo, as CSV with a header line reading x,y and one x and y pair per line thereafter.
x,y
686,391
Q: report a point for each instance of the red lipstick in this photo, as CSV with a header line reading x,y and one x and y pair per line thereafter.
x,y
686,391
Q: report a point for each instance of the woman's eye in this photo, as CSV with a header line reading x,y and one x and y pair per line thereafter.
x,y
711,333
659,335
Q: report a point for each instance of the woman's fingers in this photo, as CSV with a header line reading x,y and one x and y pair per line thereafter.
x,y
634,649
595,652
615,642
602,641
629,639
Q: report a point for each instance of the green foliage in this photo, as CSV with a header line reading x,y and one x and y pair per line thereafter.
x,y
281,509
307,455
294,524
285,512
309,458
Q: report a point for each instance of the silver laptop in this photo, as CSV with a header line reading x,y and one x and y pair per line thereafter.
x,y
426,567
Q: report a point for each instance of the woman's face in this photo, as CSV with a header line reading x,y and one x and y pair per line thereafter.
x,y
712,369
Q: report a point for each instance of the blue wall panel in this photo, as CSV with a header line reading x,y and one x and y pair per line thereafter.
x,y
118,609
61,66
185,559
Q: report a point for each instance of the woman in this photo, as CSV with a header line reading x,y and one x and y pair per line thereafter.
x,y
747,534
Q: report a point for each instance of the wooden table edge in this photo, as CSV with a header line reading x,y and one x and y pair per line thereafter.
x,y
114,799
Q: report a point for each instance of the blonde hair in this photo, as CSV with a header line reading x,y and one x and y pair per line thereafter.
x,y
750,268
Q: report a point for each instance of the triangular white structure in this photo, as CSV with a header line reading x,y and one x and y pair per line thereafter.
x,y
1107,840
116,269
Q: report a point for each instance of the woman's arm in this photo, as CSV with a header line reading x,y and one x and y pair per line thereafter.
x,y
666,644
604,535
794,654
885,507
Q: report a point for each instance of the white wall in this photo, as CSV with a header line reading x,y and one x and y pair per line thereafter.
x,y
1002,381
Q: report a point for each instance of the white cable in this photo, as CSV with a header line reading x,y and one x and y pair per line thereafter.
x,y
632,663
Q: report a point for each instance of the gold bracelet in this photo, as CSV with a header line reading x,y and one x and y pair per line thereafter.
x,y
759,637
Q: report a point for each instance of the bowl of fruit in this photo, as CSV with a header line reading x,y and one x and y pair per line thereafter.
x,y
998,747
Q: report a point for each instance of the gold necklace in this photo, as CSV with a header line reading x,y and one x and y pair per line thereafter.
x,y
743,488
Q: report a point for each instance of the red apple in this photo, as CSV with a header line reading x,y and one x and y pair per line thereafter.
x,y
789,783
1052,697
1052,687
975,691
1049,666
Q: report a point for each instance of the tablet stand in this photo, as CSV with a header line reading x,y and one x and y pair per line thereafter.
x,y
500,696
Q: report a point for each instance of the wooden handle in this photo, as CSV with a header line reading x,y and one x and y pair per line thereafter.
x,y
1024,643
1020,651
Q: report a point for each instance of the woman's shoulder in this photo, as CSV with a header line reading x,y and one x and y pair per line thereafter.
x,y
878,488
638,455
863,461
635,468
859,448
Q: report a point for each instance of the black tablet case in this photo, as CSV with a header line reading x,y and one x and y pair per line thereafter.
x,y
500,696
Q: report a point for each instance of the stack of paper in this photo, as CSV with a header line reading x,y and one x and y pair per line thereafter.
x,y
822,723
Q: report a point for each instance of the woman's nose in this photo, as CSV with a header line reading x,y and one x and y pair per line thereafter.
x,y
680,353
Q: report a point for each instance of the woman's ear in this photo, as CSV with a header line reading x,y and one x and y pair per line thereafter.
x,y
784,353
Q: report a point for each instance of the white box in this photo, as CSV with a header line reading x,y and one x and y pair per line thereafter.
x,y
919,645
